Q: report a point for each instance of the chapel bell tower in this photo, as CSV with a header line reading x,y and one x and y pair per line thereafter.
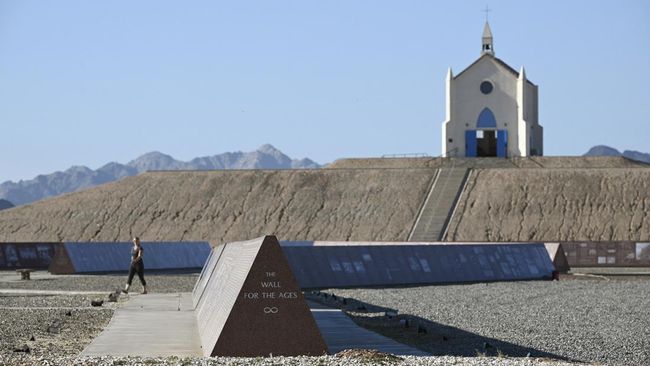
x,y
491,109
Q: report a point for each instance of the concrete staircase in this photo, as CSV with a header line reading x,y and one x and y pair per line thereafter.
x,y
443,195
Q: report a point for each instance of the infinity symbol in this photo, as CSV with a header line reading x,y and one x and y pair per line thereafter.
x,y
270,310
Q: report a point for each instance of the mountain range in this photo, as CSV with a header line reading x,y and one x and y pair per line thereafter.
x,y
4,204
265,157
80,177
603,150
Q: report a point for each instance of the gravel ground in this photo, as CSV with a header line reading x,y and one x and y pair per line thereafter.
x,y
18,302
592,321
49,326
57,328
156,282
277,361
63,325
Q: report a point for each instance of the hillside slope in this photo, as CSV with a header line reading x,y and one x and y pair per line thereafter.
x,y
555,199
482,163
554,204
369,204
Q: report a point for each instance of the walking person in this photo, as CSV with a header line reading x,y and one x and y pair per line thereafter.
x,y
137,266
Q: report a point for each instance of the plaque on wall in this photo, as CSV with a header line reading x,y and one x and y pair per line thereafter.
x,y
26,255
251,305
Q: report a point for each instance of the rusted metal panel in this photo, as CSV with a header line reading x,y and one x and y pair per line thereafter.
x,y
61,263
26,255
607,253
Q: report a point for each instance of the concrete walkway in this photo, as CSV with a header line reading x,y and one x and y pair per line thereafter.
x,y
341,333
165,325
150,325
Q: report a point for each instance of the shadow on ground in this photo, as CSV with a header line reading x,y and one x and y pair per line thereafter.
x,y
435,338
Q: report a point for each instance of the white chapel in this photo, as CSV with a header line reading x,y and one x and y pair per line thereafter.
x,y
491,109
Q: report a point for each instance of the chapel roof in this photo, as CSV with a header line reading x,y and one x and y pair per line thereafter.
x,y
498,61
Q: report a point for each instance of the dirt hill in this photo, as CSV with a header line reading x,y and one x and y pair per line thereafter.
x,y
553,204
515,199
518,162
369,204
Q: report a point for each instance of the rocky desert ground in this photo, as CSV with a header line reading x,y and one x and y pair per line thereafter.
x,y
595,321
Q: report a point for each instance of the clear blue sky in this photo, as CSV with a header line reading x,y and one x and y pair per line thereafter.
x,y
88,82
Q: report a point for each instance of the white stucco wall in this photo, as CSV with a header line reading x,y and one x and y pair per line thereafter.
x,y
532,108
465,101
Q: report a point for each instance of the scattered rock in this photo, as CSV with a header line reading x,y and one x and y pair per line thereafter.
x,y
540,318
96,302
371,355
454,305
113,296
22,348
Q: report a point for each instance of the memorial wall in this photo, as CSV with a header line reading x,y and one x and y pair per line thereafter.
x,y
248,303
356,264
607,254
26,255
97,257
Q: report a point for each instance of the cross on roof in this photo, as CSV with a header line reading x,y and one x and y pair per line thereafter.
x,y
487,10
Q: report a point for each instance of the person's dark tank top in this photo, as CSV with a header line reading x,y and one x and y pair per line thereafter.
x,y
134,252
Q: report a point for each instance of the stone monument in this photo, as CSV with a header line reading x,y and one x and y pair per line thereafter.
x,y
248,304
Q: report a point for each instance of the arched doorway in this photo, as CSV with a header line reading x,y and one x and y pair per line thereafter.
x,y
486,140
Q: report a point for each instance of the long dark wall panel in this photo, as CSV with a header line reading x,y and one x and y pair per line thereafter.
x,y
358,264
26,255
111,257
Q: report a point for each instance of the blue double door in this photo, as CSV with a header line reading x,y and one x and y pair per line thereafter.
x,y
483,143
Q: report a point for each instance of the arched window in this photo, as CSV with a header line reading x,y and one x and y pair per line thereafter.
x,y
486,119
